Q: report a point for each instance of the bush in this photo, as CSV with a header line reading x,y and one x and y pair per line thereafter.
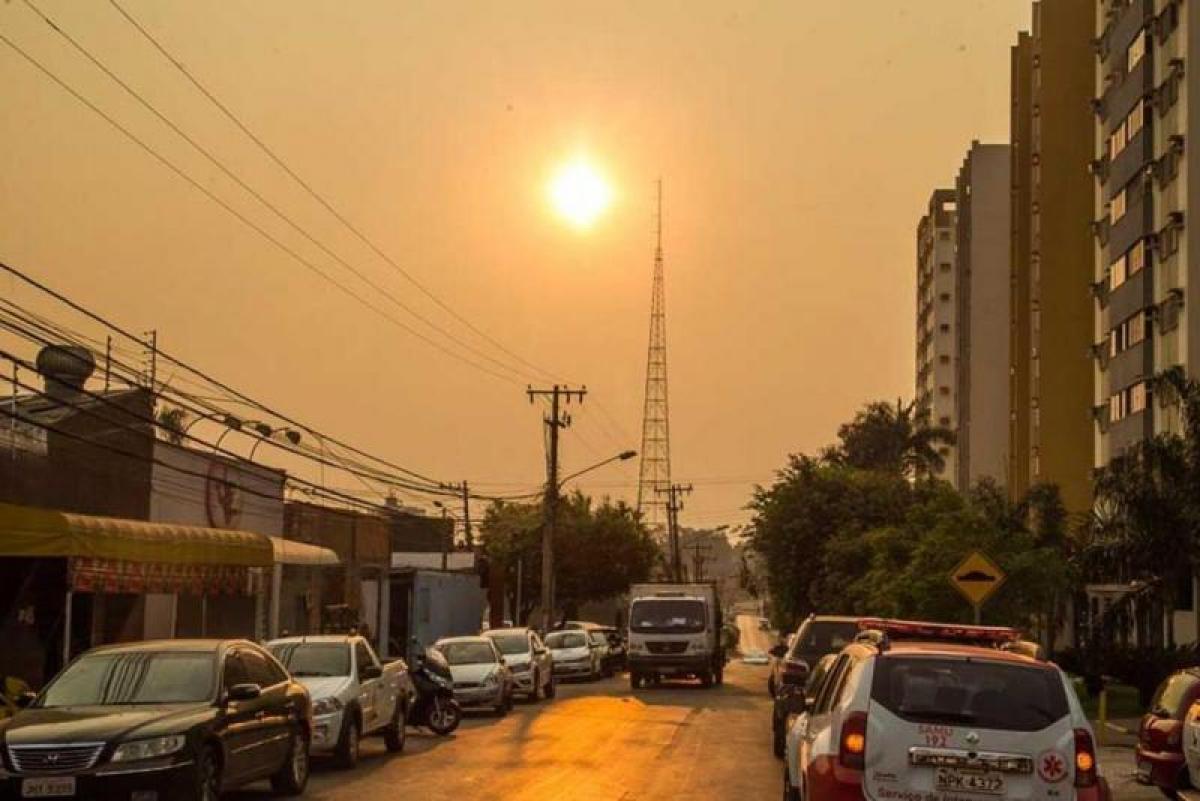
x,y
1143,667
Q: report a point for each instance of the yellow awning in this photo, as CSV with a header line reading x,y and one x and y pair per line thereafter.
x,y
26,531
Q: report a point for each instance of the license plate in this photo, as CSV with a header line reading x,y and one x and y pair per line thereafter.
x,y
964,782
59,787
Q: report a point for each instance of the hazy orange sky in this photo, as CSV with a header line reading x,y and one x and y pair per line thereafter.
x,y
798,143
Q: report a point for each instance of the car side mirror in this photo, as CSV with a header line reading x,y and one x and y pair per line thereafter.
x,y
779,651
370,672
243,692
795,703
26,699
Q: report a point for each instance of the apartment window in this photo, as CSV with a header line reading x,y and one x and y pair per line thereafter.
x,y
944,421
1127,265
1117,140
944,359
944,235
1129,401
943,390
945,266
1167,21
1117,206
945,328
945,297
1135,53
1126,129
1168,240
1128,333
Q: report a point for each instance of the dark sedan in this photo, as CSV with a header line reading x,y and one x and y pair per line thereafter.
x,y
159,721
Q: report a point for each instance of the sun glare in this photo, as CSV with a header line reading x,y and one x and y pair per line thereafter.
x,y
580,194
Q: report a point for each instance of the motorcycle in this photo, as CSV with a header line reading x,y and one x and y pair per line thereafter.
x,y
434,707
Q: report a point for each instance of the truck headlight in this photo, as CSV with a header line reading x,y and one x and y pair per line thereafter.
x,y
522,668
326,706
149,749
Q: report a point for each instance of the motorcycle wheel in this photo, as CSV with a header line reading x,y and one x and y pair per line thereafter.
x,y
444,716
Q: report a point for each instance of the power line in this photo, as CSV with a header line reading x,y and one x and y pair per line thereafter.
x,y
254,193
247,221
314,194
166,357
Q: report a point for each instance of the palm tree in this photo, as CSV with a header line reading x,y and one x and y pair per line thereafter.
x,y
897,439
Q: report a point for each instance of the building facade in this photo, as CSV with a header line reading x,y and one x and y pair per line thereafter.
x,y
1050,432
983,282
1142,282
935,387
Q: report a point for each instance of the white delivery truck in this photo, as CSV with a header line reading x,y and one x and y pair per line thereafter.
x,y
675,630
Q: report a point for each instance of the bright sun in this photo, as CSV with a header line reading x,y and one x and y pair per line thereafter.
x,y
580,194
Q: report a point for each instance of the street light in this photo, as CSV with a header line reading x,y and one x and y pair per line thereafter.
x,y
623,456
260,427
290,434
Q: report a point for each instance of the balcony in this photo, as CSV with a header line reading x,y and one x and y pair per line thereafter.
x,y
1133,159
1124,91
1131,365
1137,223
1131,296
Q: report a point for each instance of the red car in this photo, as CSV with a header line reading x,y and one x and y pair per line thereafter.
x,y
1160,760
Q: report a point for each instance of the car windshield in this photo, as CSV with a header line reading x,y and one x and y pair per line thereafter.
x,y
309,660
1173,696
470,652
978,693
819,637
139,677
510,644
663,616
561,640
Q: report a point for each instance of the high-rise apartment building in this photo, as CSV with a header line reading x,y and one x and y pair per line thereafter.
x,y
983,282
1142,282
1052,254
936,330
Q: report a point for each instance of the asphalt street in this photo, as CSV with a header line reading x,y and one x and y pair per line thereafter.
x,y
596,742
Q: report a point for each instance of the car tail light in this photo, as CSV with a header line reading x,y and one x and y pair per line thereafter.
x,y
852,749
1085,759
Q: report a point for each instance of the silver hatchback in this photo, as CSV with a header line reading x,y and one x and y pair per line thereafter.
x,y
528,660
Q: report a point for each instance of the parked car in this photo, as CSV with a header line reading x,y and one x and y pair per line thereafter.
x,y
481,678
604,654
528,659
1160,756
354,694
572,654
817,636
162,719
755,656
942,711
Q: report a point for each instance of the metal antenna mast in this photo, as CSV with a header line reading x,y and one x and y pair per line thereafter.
x,y
655,476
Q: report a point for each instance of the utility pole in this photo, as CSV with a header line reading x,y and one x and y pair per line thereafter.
x,y
466,499
555,420
152,358
698,553
674,507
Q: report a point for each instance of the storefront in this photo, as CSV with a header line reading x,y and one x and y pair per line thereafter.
x,y
298,579
69,581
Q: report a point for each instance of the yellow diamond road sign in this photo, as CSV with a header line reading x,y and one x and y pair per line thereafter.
x,y
977,578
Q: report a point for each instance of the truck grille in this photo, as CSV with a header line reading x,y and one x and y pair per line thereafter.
x,y
54,758
666,647
466,685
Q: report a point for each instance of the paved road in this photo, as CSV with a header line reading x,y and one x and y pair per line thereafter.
x,y
595,742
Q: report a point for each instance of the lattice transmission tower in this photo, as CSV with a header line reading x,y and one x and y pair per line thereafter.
x,y
655,476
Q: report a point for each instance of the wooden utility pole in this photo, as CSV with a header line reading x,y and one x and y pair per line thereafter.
x,y
557,419
674,494
698,553
466,500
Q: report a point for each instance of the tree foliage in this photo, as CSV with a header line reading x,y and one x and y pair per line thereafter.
x,y
599,550
862,529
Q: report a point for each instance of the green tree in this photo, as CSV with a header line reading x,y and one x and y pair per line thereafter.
x,y
599,550
898,439
172,420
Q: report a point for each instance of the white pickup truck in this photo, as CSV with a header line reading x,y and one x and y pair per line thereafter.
x,y
354,694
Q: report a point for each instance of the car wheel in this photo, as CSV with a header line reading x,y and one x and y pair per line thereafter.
x,y
501,706
345,754
778,740
719,676
635,681
208,776
395,734
535,694
551,687
292,776
706,679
